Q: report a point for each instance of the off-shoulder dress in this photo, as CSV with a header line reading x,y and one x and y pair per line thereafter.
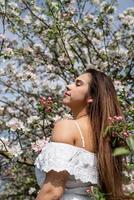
x,y
78,162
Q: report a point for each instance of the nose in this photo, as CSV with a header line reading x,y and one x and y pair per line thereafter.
x,y
68,87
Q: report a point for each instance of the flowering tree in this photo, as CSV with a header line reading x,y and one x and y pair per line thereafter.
x,y
44,45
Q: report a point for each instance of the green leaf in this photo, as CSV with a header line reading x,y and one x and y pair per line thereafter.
x,y
130,142
130,166
120,151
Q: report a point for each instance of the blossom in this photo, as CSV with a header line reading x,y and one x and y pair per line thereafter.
x,y
38,45
96,2
32,119
127,17
30,75
15,124
117,118
13,4
56,118
46,103
15,149
50,67
118,85
9,51
2,72
27,19
2,36
106,7
31,190
39,144
126,134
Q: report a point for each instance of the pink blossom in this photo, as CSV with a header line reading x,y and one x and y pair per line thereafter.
x,y
117,118
39,144
120,118
50,98
90,189
45,101
126,134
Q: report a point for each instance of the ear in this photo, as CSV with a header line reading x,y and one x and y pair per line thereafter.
x,y
90,100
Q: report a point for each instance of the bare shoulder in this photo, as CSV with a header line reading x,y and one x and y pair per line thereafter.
x,y
63,131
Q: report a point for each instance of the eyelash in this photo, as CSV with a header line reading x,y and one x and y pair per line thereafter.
x,y
77,84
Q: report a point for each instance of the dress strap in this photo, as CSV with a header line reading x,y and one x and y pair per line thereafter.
x,y
82,138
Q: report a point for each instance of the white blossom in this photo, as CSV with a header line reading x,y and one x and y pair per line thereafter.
x,y
44,17
123,51
118,35
118,85
89,17
31,190
56,118
127,17
39,144
12,4
8,51
19,75
30,75
15,124
38,45
96,2
2,72
32,119
50,67
27,19
29,49
2,36
15,149
10,110
66,115
104,4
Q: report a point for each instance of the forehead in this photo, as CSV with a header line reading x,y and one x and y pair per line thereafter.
x,y
86,77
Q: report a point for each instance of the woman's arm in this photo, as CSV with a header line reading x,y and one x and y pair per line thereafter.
x,y
54,185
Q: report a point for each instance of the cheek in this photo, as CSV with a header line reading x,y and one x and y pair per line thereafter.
x,y
79,95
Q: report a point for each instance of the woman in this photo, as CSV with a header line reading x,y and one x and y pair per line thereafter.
x,y
79,155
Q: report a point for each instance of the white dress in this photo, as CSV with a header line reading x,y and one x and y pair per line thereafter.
x,y
78,162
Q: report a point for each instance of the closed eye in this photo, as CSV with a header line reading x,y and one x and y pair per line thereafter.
x,y
78,83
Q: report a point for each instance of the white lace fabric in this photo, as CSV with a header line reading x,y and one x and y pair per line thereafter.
x,y
77,161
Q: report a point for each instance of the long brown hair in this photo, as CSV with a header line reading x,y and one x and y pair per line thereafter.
x,y
104,105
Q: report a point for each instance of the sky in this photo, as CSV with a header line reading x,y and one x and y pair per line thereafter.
x,y
123,4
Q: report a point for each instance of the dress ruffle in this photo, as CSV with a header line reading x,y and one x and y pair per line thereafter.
x,y
60,156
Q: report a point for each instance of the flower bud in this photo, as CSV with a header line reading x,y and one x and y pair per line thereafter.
x,y
126,134
50,98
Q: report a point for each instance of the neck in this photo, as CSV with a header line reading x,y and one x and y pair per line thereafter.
x,y
79,113
80,116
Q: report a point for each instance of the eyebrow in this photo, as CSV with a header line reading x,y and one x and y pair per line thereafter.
x,y
79,80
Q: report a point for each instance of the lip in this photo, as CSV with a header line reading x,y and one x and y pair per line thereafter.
x,y
67,94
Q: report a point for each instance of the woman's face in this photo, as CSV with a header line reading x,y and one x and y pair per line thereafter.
x,y
77,92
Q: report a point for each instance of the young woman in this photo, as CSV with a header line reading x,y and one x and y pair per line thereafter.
x,y
78,154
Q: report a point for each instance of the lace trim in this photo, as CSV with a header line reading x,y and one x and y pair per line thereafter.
x,y
76,162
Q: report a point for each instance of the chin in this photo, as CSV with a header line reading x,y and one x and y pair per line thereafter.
x,y
66,102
